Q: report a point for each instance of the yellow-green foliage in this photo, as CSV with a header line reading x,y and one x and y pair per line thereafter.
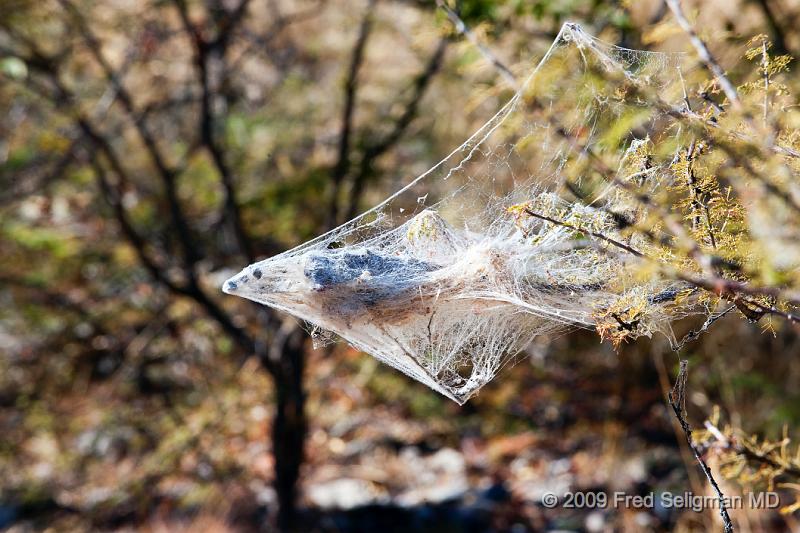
x,y
718,211
753,462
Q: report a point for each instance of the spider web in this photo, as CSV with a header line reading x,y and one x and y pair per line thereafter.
x,y
451,277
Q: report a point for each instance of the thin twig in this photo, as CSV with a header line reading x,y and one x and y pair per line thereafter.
x,y
342,166
486,52
207,52
765,73
595,234
377,148
693,334
190,246
704,53
677,400
698,197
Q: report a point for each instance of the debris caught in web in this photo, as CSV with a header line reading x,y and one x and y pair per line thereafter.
x,y
450,278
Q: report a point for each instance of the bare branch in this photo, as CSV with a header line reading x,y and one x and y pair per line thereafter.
x,y
114,198
704,54
486,52
778,34
677,400
378,148
189,246
342,166
206,53
22,183
190,287
694,334
595,234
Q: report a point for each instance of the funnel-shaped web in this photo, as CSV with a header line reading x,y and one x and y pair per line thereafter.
x,y
451,277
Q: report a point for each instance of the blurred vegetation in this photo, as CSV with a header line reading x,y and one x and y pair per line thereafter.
x,y
150,148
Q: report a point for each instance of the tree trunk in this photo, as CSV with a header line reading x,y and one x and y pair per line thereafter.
x,y
289,425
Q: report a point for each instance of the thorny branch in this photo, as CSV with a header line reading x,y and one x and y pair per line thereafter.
x,y
730,290
699,198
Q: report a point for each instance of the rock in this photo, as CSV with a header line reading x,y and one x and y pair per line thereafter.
x,y
344,493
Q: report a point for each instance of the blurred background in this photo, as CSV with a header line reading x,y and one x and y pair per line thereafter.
x,y
151,148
